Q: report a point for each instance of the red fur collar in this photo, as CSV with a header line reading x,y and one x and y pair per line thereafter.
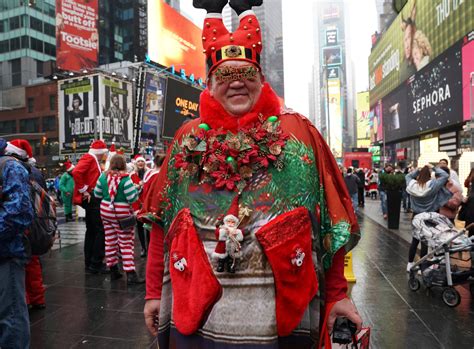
x,y
213,114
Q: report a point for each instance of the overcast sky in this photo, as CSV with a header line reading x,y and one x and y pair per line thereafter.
x,y
299,47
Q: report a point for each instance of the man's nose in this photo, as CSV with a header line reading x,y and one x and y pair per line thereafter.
x,y
236,84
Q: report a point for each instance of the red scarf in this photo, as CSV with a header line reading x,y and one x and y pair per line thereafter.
x,y
213,114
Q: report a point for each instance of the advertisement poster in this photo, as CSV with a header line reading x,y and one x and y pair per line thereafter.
x,y
176,40
77,38
153,107
376,123
331,37
468,78
332,55
420,33
395,114
363,112
435,94
182,105
116,103
335,117
76,116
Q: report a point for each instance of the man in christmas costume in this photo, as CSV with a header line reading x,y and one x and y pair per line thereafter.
x,y
85,174
293,208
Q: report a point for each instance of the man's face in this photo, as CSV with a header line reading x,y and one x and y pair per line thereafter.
x,y
237,97
115,101
443,164
76,104
389,169
407,41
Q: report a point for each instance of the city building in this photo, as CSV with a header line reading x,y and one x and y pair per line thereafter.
x,y
332,78
34,117
27,41
122,31
270,18
385,14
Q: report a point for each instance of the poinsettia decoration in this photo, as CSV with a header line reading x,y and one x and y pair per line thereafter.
x,y
228,161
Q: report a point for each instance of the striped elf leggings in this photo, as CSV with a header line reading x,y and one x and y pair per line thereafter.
x,y
115,238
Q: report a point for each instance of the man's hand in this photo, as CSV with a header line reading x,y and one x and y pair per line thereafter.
x,y
344,308
151,312
86,196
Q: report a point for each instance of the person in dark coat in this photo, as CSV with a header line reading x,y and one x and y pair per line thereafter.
x,y
361,187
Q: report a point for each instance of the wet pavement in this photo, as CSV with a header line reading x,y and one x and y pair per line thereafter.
x,y
84,310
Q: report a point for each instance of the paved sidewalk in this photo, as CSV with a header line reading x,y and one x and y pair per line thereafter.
x,y
84,310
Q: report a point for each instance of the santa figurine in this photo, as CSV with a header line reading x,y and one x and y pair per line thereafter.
x,y
228,248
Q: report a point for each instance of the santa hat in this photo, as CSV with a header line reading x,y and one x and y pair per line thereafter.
x,y
112,149
121,151
139,157
245,44
98,147
21,148
69,166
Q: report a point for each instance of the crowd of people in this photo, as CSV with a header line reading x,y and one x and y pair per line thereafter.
x,y
425,189
102,182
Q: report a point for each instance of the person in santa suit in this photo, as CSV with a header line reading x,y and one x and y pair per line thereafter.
x,y
137,177
85,174
294,211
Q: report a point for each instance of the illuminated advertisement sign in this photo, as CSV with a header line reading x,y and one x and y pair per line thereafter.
x,y
363,111
331,37
77,38
182,105
435,94
335,117
78,118
422,31
331,12
153,106
174,40
468,79
376,123
332,55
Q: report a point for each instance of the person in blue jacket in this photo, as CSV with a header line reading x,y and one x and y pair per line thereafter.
x,y
16,214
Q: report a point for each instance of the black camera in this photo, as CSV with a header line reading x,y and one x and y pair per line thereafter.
x,y
344,331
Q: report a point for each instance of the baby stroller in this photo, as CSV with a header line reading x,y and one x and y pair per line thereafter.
x,y
435,269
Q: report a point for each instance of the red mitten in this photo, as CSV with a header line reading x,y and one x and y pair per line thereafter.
x,y
286,241
195,287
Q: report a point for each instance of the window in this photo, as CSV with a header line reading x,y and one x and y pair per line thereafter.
x,y
31,105
36,45
36,24
49,29
29,125
4,46
2,26
49,123
49,49
25,41
52,102
14,44
16,71
7,127
15,22
39,68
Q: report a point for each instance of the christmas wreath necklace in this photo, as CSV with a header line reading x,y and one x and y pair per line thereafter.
x,y
226,160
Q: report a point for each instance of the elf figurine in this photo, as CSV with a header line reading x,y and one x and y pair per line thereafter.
x,y
228,248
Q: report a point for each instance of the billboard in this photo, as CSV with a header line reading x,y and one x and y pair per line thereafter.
x,y
94,100
153,106
363,111
174,40
376,123
435,94
422,31
331,36
181,106
395,114
468,78
77,37
332,55
335,117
